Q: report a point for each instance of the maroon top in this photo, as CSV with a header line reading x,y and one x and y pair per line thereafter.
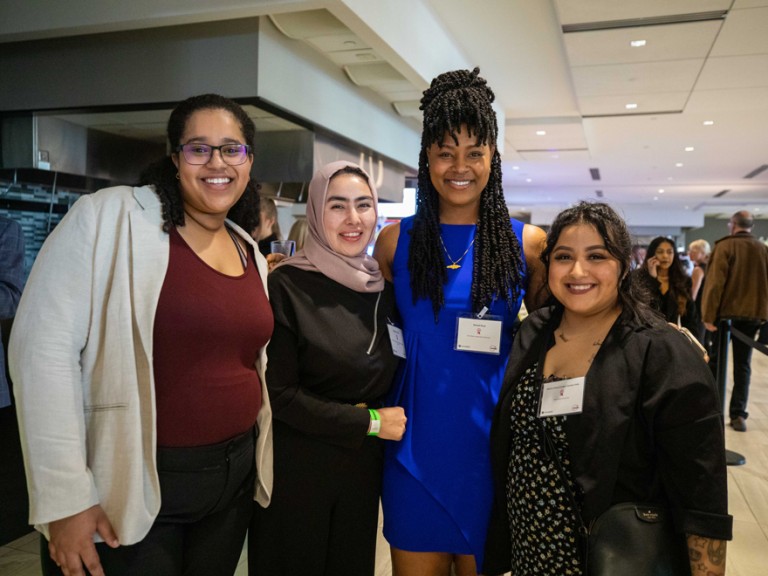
x,y
209,328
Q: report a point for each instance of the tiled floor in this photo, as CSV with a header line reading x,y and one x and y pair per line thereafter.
x,y
747,485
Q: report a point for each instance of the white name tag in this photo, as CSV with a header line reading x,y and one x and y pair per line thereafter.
x,y
478,334
397,340
562,397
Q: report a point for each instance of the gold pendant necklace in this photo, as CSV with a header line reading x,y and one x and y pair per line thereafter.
x,y
454,265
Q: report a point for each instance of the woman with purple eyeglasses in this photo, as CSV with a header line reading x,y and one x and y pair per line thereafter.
x,y
138,357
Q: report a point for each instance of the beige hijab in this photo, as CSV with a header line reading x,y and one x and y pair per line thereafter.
x,y
360,273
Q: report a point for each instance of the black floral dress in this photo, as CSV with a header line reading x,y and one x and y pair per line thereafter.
x,y
541,517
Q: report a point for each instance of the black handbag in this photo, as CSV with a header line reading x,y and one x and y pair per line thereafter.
x,y
628,539
634,539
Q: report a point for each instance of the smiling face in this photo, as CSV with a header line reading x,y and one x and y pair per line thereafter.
x,y
583,275
459,172
211,189
665,254
349,214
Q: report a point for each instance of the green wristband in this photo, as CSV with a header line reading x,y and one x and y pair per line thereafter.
x,y
375,423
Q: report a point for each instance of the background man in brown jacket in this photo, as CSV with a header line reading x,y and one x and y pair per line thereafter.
x,y
737,289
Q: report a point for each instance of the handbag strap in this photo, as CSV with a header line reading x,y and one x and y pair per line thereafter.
x,y
550,445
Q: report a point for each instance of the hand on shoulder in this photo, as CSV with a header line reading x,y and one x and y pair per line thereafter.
x,y
384,250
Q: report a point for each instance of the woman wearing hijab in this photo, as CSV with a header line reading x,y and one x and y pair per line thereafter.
x,y
331,363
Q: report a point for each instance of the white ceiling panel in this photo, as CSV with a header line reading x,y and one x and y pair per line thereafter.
x,y
738,4
567,134
744,32
670,42
716,101
734,72
664,102
636,79
554,156
581,11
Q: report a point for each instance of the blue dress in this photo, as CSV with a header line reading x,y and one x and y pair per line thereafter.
x,y
437,490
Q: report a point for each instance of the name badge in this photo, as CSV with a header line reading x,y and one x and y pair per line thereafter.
x,y
561,397
397,340
475,334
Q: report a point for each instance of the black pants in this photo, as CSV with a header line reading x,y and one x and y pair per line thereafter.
x,y
742,369
207,503
323,516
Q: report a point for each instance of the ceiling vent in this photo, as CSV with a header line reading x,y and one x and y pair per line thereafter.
x,y
599,193
722,193
595,173
757,171
651,21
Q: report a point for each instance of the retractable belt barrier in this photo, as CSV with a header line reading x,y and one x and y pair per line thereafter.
x,y
749,341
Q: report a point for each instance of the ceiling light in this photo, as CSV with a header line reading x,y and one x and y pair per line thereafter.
x,y
630,106
515,167
689,148
679,165
637,43
708,122
541,132
661,190
528,180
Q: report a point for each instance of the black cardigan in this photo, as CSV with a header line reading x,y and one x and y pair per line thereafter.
x,y
651,420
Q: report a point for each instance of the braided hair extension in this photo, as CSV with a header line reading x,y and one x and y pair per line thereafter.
x,y
457,99
162,174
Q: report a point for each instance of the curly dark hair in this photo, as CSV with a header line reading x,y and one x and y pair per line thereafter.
x,y
611,227
457,99
679,282
162,174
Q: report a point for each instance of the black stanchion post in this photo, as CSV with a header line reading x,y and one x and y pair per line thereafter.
x,y
723,338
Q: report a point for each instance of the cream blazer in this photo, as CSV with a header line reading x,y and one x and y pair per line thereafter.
x,y
81,361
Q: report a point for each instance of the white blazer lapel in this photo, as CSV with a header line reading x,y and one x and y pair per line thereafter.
x,y
149,251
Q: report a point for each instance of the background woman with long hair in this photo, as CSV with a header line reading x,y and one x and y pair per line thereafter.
x,y
667,284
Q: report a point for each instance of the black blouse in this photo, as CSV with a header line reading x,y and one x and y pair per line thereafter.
x,y
330,351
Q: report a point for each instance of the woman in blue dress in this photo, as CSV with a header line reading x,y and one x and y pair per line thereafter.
x,y
460,267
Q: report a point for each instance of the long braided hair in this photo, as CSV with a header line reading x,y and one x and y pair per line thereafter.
x,y
162,174
454,100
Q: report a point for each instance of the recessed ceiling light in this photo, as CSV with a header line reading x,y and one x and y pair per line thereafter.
x,y
655,197
679,164
709,122
541,132
515,167
689,148
661,190
528,180
637,43
630,106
